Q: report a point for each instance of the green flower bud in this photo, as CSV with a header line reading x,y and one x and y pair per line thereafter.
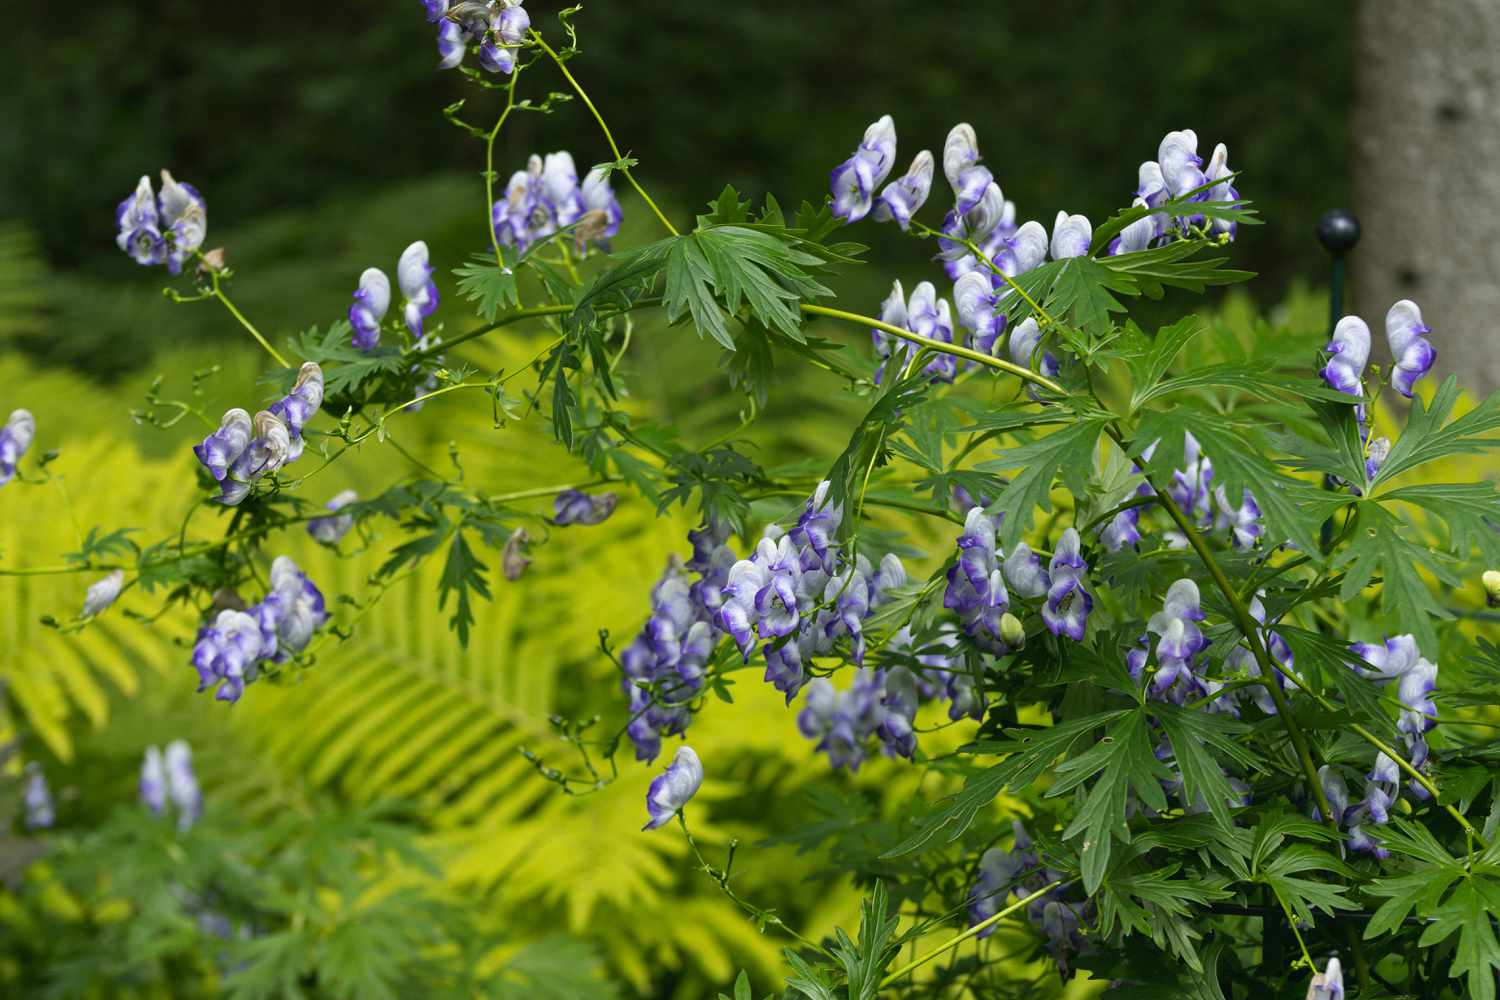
x,y
1491,580
1011,631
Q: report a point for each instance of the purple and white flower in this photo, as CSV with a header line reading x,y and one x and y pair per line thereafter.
x,y
1023,343
968,178
184,220
153,782
226,652
598,196
976,583
40,814
331,530
1350,348
1412,353
182,783
1243,521
371,300
500,26
673,788
902,197
414,276
1071,235
1218,170
1181,166
102,593
1068,603
576,507
15,439
1328,984
974,296
1189,488
299,406
269,449
221,449
854,181
139,223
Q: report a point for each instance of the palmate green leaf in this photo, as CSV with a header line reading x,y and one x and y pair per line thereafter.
x,y
1470,510
689,290
1152,271
1067,453
344,366
1030,752
1429,435
1144,902
1469,912
489,286
1254,380
1122,761
1302,896
1152,357
1380,545
463,574
812,983
1085,290
555,967
1292,509
1199,741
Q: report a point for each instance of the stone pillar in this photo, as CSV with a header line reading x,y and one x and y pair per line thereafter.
x,y
1427,175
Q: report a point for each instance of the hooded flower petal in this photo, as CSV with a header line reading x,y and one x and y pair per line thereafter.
x,y
1412,353
962,168
223,447
672,789
1071,235
15,439
139,225
901,198
371,300
576,507
331,530
1350,348
414,275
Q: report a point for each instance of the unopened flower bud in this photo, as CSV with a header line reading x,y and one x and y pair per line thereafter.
x,y
514,559
591,227
1491,580
213,260
1012,632
102,593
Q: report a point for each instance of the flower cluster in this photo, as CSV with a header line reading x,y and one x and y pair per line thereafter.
x,y
925,315
1405,334
672,789
243,449
161,229
546,198
330,530
577,507
1019,872
40,814
1178,172
499,25
169,779
373,298
229,652
663,667
879,704
15,439
977,581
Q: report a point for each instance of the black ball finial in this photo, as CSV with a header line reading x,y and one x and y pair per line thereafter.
x,y
1338,231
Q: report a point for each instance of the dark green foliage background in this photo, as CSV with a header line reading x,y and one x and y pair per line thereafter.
x,y
297,118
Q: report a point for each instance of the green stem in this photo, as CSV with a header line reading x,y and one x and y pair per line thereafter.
x,y
954,942
605,129
218,293
489,164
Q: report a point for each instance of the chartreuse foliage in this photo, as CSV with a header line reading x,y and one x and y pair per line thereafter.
x,y
474,640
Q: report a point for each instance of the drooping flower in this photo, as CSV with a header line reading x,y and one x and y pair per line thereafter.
x,y
1189,488
1137,235
290,614
928,316
843,721
1023,343
1407,336
1071,235
887,345
598,196
225,654
40,814
854,181
299,406
102,593
976,584
673,788
902,197
508,24
182,783
1024,573
500,26
139,224
975,225
974,295
576,507
414,276
1243,521
1375,455
1328,984
184,220
331,530
1413,688
270,448
514,558
1388,660
221,449
1181,166
153,783
1068,603
968,177
1350,348
371,300
1218,170
15,439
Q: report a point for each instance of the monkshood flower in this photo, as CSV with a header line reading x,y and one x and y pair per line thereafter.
x,y
854,181
1375,455
903,196
102,593
1241,659
961,166
270,448
1023,570
290,614
1068,603
1181,166
976,585
226,652
223,447
38,799
899,700
673,788
371,300
414,276
844,721
1243,522
1180,642
892,312
1389,660
546,197
1071,235
1124,528
1351,816
299,406
1019,873
929,316
816,529
331,530
499,24
1413,688
1218,170
153,783
1350,348
1189,488
1023,343
15,439
577,507
1001,874
598,196
163,230
974,295
514,558
1328,984
508,24
1407,336
1138,235
975,225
